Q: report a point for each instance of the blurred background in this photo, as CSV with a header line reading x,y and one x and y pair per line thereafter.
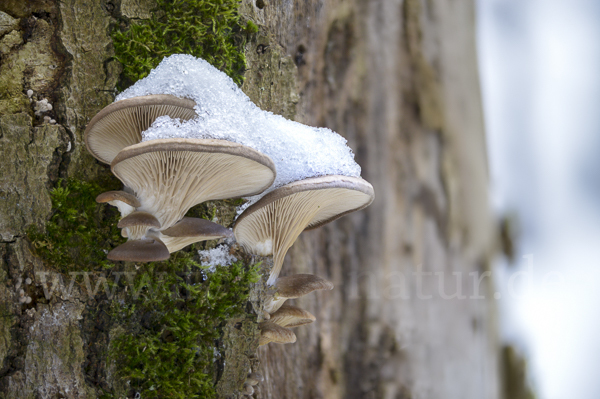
x,y
540,75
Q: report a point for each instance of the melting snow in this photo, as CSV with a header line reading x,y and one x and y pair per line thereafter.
x,y
225,112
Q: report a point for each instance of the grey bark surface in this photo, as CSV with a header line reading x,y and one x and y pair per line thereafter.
x,y
399,80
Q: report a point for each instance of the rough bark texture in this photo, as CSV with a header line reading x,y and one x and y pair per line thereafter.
x,y
398,79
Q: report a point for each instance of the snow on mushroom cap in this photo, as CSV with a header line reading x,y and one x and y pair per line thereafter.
x,y
280,216
225,112
171,176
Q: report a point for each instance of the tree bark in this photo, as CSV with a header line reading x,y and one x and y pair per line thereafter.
x,y
398,79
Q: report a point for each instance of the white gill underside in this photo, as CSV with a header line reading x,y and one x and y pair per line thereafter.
x,y
283,220
176,243
169,183
123,128
136,232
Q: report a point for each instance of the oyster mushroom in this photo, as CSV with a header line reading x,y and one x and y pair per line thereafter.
x,y
295,286
125,202
271,332
138,223
291,316
190,230
140,246
254,379
271,225
121,123
169,176
142,250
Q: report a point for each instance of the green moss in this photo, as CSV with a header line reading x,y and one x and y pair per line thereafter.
x,y
209,29
172,312
174,324
80,231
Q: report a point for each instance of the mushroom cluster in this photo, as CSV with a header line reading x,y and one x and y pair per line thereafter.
x,y
172,153
272,225
163,179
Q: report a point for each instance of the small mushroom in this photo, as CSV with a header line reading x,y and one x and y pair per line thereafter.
x,y
121,123
271,332
291,316
169,176
141,246
144,250
295,286
254,378
125,202
138,223
271,225
248,390
190,230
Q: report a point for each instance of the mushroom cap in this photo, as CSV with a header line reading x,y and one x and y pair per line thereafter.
x,y
190,230
272,224
136,225
254,378
145,250
139,218
169,176
298,285
122,196
271,332
295,286
248,389
292,316
197,227
121,123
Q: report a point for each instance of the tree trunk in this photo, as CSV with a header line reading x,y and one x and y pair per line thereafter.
x,y
412,314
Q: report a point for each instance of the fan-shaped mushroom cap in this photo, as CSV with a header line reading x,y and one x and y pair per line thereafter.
x,y
136,224
144,250
169,176
271,225
190,230
248,389
271,332
254,378
295,286
291,316
121,123
125,202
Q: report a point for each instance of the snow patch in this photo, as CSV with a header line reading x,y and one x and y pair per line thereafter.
x,y
225,112
218,256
